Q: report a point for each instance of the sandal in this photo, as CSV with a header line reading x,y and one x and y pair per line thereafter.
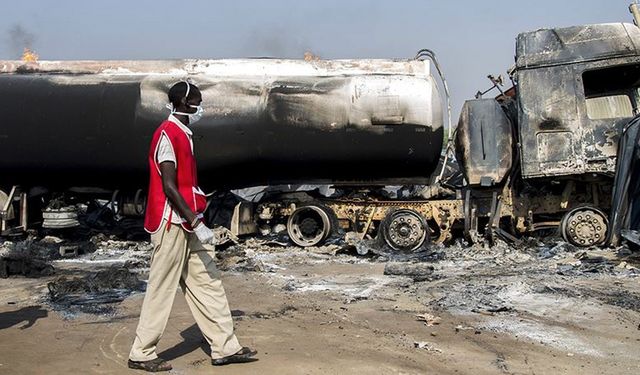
x,y
243,355
154,365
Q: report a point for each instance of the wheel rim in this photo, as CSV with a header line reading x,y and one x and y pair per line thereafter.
x,y
139,202
584,226
404,230
308,226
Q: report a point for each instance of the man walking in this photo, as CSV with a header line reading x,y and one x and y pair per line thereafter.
x,y
180,255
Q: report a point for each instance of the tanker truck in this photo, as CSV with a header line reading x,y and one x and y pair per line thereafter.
x,y
541,155
84,127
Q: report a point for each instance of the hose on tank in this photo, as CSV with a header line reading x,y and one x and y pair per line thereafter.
x,y
448,148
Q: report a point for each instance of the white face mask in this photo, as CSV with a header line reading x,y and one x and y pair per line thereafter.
x,y
193,117
197,115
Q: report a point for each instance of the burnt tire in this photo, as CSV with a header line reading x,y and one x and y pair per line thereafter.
x,y
311,224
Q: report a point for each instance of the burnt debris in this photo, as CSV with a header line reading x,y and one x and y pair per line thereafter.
x,y
94,293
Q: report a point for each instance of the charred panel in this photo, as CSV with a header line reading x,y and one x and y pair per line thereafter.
x,y
549,126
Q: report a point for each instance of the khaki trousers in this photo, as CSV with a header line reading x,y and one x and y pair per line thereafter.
x,y
179,258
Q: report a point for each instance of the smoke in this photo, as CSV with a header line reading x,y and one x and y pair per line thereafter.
x,y
275,42
19,38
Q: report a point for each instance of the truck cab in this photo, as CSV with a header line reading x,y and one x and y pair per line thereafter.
x,y
576,88
545,156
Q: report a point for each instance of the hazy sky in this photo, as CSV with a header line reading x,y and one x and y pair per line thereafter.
x,y
471,38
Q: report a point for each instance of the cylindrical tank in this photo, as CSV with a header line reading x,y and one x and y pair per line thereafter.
x,y
267,121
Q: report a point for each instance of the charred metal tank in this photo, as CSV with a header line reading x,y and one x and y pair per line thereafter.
x,y
267,121
484,142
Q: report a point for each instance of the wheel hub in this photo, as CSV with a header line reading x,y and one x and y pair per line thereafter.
x,y
584,227
309,226
406,231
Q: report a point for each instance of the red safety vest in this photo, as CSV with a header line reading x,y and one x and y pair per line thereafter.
x,y
186,177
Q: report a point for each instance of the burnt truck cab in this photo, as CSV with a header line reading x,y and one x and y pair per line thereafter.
x,y
576,88
550,150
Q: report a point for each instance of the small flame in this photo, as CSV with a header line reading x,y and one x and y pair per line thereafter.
x,y
310,56
29,56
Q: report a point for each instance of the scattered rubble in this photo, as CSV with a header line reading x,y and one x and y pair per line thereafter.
x,y
21,266
428,319
498,288
51,240
427,346
95,292
286,310
543,292
24,259
417,271
546,252
69,251
94,272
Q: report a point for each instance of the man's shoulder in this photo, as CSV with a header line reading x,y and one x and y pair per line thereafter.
x,y
167,127
173,132
166,124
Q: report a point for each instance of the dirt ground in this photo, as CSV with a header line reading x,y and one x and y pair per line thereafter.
x,y
540,308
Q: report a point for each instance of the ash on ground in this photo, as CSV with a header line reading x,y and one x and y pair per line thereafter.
x,y
98,281
531,290
95,293
82,274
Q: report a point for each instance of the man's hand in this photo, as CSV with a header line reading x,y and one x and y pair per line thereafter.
x,y
204,234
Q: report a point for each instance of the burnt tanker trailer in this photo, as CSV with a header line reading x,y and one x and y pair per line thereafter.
x,y
72,124
85,126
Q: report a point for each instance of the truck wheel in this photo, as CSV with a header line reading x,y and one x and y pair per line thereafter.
x,y
309,225
584,226
404,230
139,202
